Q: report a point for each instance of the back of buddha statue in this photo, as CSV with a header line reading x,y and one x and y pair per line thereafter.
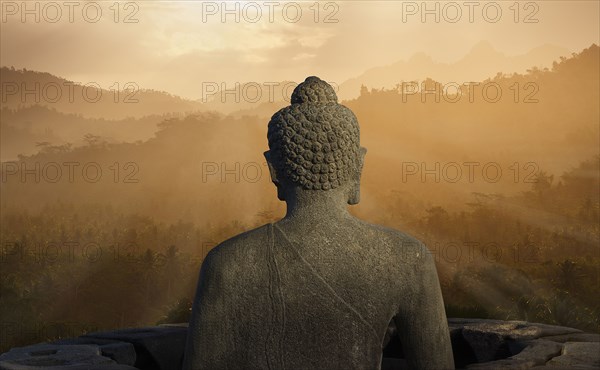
x,y
319,288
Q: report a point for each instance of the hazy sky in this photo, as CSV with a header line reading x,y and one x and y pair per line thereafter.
x,y
178,45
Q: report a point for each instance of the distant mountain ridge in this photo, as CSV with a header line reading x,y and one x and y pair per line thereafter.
x,y
24,129
482,61
23,88
25,122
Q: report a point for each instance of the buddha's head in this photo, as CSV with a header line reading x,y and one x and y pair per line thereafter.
x,y
314,144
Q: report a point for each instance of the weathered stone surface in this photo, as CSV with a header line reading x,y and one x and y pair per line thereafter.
x,y
488,340
489,344
318,288
121,352
156,348
515,330
521,354
528,354
492,340
576,337
52,356
576,355
551,330
538,351
518,330
513,364
461,349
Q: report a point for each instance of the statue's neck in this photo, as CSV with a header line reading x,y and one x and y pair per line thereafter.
x,y
316,204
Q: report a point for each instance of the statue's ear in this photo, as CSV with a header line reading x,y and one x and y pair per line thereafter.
x,y
361,160
354,196
273,174
272,171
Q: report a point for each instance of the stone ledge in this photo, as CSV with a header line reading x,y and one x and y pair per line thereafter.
x,y
477,344
59,357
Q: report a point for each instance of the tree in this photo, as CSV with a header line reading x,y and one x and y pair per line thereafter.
x,y
364,91
91,139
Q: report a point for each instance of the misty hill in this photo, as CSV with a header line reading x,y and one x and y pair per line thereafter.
x,y
22,88
481,62
167,176
24,130
208,167
547,118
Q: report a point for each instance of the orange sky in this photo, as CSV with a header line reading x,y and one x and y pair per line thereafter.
x,y
178,45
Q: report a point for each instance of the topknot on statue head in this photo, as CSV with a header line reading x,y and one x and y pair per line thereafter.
x,y
314,90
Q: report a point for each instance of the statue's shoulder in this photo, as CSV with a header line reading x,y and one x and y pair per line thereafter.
x,y
401,245
243,245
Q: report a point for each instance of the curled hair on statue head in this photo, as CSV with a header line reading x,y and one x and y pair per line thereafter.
x,y
314,142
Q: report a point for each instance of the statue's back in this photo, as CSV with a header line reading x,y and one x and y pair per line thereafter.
x,y
284,298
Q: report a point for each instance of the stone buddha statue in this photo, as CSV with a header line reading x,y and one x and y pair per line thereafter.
x,y
318,289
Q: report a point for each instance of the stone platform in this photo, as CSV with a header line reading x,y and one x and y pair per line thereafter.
x,y
477,344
